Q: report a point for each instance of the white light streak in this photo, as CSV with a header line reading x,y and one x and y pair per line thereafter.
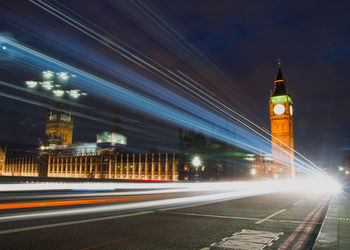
x,y
217,192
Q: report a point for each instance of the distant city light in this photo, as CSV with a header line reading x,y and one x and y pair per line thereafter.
x,y
341,168
58,92
3,47
84,94
196,161
253,171
62,76
48,74
31,84
48,85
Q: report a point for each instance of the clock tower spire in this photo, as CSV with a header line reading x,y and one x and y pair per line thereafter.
x,y
282,138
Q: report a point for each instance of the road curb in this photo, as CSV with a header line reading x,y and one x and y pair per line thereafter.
x,y
327,237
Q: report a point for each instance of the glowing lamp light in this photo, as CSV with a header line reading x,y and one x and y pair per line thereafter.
x,y
196,161
48,74
31,84
46,85
58,92
347,172
74,93
341,168
253,171
250,159
63,76
3,47
275,176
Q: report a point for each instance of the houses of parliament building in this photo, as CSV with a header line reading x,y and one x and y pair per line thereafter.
x,y
105,159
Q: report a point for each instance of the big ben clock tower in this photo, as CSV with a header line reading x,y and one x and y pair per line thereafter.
x,y
281,117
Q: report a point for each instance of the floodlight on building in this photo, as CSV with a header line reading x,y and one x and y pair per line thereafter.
x,y
48,74
48,85
63,76
58,92
31,84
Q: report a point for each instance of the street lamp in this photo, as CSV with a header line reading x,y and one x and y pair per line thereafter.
x,y
253,171
196,162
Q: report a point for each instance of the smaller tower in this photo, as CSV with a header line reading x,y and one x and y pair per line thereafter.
x,y
59,126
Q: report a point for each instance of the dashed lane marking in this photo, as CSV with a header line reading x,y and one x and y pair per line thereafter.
x,y
270,216
297,203
22,229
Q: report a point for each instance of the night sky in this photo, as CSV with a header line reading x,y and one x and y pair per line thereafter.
x,y
229,47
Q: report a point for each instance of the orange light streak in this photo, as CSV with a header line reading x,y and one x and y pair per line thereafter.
x,y
82,202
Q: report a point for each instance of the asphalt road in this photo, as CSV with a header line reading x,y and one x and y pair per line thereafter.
x,y
148,219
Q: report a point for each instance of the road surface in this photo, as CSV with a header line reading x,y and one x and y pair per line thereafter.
x,y
148,219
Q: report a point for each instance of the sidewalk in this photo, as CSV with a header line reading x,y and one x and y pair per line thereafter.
x,y
335,230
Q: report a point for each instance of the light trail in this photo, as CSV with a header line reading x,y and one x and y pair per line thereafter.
x,y
83,201
219,192
222,129
228,132
163,25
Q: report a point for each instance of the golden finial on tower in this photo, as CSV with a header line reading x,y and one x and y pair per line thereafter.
x,y
279,63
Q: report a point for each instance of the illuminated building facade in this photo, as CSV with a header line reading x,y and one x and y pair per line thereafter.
x,y
120,165
59,126
105,159
281,117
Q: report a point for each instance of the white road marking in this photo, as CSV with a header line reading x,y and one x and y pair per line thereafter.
x,y
235,217
270,216
214,216
15,230
297,203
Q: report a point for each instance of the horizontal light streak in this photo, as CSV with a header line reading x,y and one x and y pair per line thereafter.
x,y
219,192
82,201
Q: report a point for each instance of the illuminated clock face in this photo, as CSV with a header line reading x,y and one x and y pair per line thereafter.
x,y
279,109
291,109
